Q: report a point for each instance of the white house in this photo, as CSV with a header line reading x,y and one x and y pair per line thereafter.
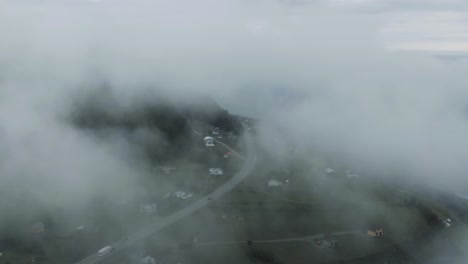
x,y
274,183
148,208
209,141
183,195
216,171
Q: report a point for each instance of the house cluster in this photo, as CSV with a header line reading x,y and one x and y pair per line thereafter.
x,y
216,171
445,221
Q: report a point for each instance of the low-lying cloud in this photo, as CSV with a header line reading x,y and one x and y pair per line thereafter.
x,y
320,73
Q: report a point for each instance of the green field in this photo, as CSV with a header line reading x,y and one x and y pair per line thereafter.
x,y
309,205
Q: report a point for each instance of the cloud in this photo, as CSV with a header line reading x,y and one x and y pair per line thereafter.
x,y
395,5
47,158
324,71
321,74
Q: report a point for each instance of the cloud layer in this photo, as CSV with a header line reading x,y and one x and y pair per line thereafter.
x,y
320,73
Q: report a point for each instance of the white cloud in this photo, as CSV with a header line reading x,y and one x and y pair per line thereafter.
x,y
344,92
441,31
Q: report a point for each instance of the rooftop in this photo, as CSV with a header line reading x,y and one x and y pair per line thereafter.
x,y
274,183
216,171
183,195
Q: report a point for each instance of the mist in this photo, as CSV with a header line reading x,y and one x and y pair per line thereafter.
x,y
321,73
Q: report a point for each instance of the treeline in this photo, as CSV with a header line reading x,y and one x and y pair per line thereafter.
x,y
158,125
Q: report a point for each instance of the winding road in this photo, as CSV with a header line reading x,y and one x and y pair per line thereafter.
x,y
160,224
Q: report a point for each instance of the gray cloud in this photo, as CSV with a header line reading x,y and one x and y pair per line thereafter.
x,y
323,71
320,74
378,6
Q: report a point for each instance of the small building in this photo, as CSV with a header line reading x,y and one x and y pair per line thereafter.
x,y
445,221
182,195
37,227
216,171
148,208
274,183
329,170
375,232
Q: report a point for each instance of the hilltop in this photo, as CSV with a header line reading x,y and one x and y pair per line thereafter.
x,y
159,123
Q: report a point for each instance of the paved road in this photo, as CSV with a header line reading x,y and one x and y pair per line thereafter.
x,y
166,221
